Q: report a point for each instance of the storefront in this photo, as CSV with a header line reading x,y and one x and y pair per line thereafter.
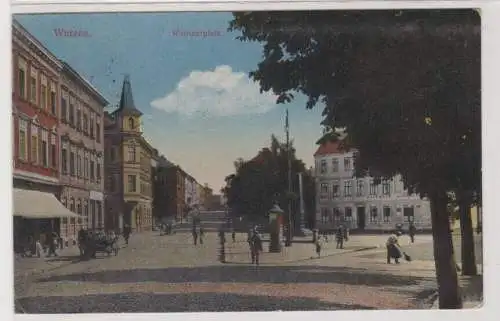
x,y
36,214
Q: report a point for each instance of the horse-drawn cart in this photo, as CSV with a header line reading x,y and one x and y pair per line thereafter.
x,y
94,243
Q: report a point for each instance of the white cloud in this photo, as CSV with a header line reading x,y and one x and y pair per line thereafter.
x,y
221,92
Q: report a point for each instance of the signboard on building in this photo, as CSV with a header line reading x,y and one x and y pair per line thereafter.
x,y
96,196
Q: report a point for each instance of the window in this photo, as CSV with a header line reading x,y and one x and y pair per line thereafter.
x,y
386,187
373,214
45,149
92,170
131,124
86,167
131,183
23,124
53,152
336,214
53,108
387,214
323,167
98,132
34,145
72,205
348,213
64,111
22,83
43,96
98,171
99,214
79,166
348,188
324,190
91,130
79,211
335,165
373,188
72,163
71,114
33,89
360,187
324,215
85,123
408,213
335,190
64,160
347,164
131,153
79,119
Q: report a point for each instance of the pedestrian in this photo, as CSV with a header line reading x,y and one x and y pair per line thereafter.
x,y
38,248
52,243
319,245
255,246
412,230
81,241
194,232
393,248
339,237
233,235
126,233
222,242
346,234
202,233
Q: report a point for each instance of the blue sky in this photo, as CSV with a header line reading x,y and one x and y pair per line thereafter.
x,y
200,109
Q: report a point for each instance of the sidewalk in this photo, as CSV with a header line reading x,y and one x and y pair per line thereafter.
x,y
303,249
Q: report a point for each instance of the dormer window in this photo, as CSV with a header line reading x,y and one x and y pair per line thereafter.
x,y
131,124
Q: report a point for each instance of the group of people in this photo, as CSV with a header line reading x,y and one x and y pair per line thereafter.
x,y
341,236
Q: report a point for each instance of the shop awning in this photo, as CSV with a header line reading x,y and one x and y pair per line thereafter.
x,y
35,204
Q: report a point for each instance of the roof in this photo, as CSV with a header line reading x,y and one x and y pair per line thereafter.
x,y
127,100
35,204
85,82
17,26
330,147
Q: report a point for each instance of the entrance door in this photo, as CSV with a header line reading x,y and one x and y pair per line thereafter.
x,y
360,213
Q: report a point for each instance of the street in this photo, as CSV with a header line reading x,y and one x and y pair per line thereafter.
x,y
169,274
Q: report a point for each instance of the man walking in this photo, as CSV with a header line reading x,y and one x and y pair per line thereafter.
x,y
126,233
255,246
412,230
202,233
52,243
339,237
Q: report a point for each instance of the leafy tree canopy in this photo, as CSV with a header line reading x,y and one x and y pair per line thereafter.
x,y
404,84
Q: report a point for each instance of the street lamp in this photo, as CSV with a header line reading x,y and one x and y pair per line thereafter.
x,y
275,214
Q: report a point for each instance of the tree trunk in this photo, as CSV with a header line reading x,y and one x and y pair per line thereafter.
x,y
446,272
468,249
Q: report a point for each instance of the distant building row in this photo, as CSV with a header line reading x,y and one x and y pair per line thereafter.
x,y
357,202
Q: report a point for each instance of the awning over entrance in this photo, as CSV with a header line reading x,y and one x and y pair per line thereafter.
x,y
35,204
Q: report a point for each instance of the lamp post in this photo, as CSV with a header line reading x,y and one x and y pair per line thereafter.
x,y
275,214
289,165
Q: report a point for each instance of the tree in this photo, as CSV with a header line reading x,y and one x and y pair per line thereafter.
x,y
405,86
260,182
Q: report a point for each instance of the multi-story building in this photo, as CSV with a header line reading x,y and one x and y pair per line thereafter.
x,y
175,180
161,209
190,192
359,202
35,148
128,163
82,158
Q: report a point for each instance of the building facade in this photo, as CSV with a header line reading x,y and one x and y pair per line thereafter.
x,y
35,106
176,192
82,158
35,143
358,202
128,166
190,192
